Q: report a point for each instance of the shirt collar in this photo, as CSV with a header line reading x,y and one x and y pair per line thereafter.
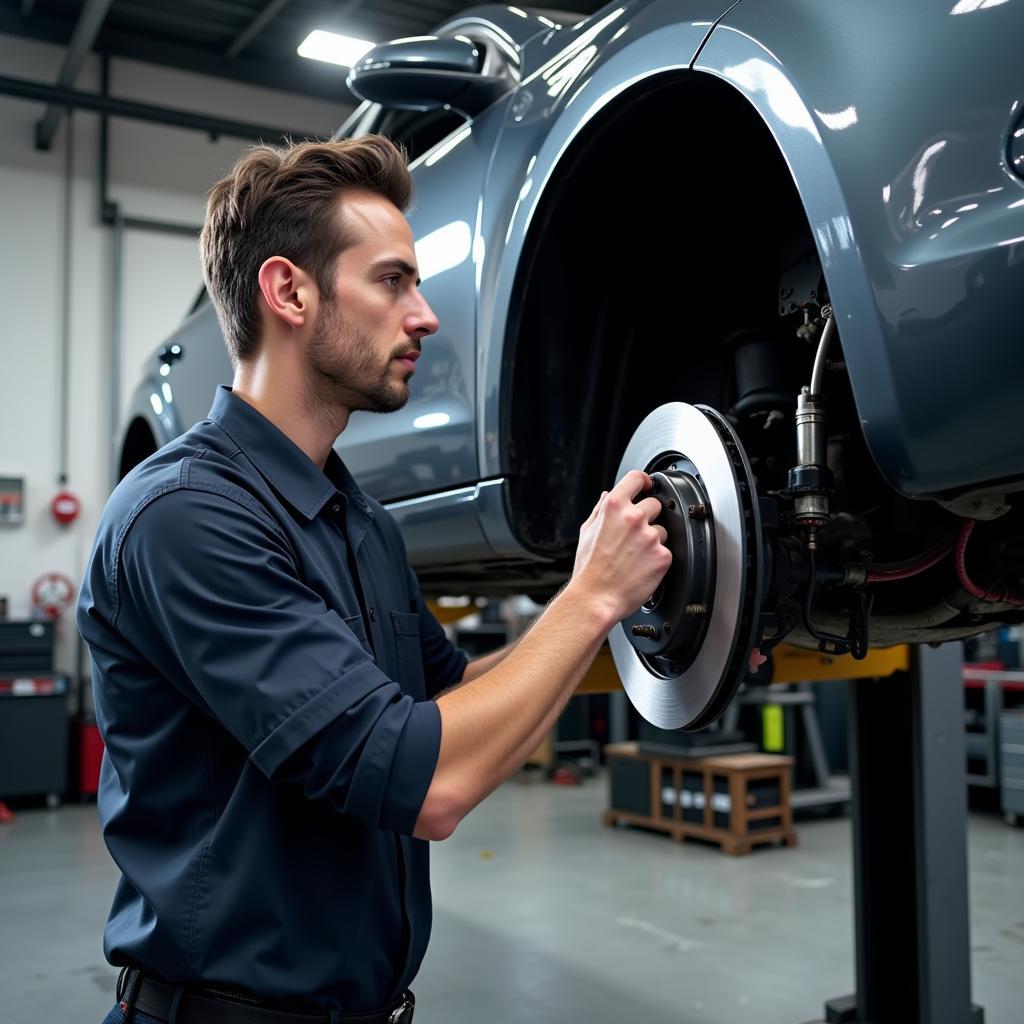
x,y
285,466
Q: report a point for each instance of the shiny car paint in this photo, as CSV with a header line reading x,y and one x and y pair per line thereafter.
x,y
895,122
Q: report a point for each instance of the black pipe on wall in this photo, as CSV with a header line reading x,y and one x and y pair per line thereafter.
x,y
75,99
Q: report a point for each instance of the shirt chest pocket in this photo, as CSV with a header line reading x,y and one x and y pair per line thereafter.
x,y
405,627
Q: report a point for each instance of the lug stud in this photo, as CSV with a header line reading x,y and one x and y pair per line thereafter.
x,y
698,511
648,632
696,610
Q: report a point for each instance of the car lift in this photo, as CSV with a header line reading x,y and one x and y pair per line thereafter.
x,y
908,780
909,823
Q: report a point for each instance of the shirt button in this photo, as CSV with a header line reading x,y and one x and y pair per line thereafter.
x,y
335,508
373,614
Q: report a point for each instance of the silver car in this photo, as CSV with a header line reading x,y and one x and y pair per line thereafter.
x,y
772,252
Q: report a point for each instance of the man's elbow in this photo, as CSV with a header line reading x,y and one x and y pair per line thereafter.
x,y
443,808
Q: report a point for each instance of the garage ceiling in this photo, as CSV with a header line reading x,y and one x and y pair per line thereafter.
x,y
251,41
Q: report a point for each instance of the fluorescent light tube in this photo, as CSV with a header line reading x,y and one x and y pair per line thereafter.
x,y
334,48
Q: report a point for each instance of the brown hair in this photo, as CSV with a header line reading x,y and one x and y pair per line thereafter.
x,y
281,201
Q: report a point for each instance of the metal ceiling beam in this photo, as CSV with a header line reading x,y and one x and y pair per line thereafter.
x,y
337,17
304,77
86,30
271,11
174,21
255,27
75,99
420,12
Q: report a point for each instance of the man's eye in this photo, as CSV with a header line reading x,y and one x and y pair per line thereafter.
x,y
393,281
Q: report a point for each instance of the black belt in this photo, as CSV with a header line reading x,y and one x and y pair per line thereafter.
x,y
206,1006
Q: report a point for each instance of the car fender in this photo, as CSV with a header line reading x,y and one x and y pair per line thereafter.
x,y
901,166
894,120
616,50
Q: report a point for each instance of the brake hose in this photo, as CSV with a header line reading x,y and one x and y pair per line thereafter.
x,y
966,582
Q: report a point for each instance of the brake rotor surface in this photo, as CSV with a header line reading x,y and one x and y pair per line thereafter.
x,y
683,654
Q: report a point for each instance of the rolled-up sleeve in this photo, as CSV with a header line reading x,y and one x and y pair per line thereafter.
x,y
208,592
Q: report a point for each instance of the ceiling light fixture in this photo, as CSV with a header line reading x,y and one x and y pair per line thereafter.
x,y
334,48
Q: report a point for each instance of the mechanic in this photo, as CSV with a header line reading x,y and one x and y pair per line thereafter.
x,y
286,723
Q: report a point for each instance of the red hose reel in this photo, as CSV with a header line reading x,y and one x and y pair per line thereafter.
x,y
52,594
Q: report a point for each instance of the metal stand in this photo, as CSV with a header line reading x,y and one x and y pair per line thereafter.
x,y
828,789
909,812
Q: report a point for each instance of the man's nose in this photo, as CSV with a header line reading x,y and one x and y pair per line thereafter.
x,y
422,321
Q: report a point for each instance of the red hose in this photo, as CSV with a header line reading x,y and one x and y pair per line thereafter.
x,y
889,575
966,582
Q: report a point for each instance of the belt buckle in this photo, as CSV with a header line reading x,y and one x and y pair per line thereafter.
x,y
403,1014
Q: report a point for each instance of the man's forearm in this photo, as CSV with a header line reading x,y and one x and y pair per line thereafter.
x,y
493,723
478,666
490,725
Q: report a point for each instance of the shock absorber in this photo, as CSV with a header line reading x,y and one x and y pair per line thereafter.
x,y
809,485
810,481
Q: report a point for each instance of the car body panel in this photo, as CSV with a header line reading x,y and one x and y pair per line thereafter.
x,y
883,113
194,376
164,425
615,50
894,120
510,29
430,444
174,394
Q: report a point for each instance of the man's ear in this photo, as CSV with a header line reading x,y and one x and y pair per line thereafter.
x,y
288,291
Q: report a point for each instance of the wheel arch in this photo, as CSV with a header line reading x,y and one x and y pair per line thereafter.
x,y
560,442
902,171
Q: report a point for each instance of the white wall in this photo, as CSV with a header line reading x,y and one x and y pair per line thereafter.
x,y
155,172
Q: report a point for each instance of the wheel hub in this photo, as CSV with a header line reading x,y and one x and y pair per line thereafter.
x,y
668,629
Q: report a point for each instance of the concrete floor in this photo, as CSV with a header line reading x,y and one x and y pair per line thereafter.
x,y
544,916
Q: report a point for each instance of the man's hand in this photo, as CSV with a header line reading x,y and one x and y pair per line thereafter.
x,y
620,548
620,560
621,557
515,702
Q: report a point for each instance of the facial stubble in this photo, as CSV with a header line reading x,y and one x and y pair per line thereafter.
x,y
345,370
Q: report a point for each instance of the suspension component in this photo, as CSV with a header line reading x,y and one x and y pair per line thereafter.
x,y
810,482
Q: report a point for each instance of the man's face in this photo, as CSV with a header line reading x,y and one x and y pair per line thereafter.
x,y
369,328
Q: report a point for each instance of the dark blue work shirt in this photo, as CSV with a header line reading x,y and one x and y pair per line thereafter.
x,y
266,759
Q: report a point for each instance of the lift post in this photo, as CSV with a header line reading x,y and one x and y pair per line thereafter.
x,y
909,815
908,779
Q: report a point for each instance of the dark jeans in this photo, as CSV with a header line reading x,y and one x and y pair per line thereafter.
x,y
116,1015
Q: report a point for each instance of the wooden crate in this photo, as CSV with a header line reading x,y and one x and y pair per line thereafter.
x,y
735,800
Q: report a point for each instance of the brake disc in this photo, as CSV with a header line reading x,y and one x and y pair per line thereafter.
x,y
683,654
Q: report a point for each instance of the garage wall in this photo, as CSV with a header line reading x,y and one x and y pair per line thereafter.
x,y
155,172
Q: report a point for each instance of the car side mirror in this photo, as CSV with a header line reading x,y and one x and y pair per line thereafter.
x,y
427,72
